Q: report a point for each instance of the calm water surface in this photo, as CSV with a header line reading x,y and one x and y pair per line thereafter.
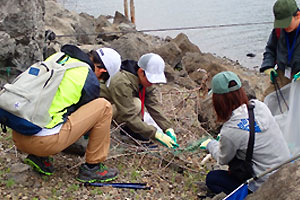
x,y
232,42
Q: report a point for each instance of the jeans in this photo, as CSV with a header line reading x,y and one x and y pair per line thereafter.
x,y
221,181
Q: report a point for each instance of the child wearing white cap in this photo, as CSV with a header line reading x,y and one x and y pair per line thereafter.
x,y
108,63
131,90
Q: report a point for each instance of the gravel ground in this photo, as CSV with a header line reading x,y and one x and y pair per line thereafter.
x,y
170,175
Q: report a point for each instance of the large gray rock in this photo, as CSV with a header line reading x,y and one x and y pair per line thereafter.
x,y
133,45
185,44
120,18
85,29
80,28
102,22
282,185
170,52
22,35
7,45
123,23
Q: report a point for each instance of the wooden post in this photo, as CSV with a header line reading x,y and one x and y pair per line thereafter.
x,y
132,11
126,8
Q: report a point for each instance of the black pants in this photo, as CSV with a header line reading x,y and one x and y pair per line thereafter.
x,y
221,181
132,134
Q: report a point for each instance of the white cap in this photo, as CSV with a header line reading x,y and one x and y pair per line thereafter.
x,y
111,60
154,67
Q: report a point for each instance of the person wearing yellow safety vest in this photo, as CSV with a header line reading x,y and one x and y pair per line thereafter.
x,y
130,90
283,47
75,110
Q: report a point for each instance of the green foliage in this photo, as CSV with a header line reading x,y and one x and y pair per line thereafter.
x,y
74,187
2,172
135,175
54,191
97,191
10,183
120,167
59,185
190,179
7,170
45,178
8,137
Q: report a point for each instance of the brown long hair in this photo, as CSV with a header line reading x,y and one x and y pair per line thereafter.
x,y
224,104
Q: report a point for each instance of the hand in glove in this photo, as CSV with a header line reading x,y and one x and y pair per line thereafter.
x,y
272,73
297,76
205,143
165,140
170,132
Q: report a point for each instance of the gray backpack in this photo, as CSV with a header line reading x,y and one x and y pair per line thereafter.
x,y
24,104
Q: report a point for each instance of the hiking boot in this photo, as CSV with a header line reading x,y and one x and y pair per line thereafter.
x,y
99,173
40,164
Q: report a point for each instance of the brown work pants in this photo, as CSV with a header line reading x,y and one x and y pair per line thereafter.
x,y
94,116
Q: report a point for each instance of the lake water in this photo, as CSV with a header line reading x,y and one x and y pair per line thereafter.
x,y
232,42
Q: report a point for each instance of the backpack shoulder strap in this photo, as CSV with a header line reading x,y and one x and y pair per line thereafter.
x,y
252,131
59,59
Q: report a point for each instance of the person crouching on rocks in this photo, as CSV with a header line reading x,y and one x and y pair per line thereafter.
x,y
132,89
75,110
270,149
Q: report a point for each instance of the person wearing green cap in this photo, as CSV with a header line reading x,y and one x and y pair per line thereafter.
x,y
283,46
230,103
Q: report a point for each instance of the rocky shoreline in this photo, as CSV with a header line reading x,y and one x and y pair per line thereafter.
x,y
25,43
185,100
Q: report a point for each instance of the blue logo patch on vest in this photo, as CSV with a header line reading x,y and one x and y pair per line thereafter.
x,y
244,125
34,71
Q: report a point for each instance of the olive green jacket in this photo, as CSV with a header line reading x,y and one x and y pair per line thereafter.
x,y
124,86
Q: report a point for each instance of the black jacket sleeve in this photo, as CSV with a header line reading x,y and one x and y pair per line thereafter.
x,y
269,56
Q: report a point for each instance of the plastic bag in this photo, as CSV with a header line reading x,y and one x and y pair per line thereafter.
x,y
288,120
149,120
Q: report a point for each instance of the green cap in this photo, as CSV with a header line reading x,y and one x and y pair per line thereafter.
x,y
283,11
220,82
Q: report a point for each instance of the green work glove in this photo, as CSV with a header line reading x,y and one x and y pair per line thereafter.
x,y
166,140
170,132
205,143
297,76
272,73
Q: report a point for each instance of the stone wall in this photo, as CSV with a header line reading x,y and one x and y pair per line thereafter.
x,y
21,36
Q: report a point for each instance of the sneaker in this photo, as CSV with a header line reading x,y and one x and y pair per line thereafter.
x,y
41,164
99,173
